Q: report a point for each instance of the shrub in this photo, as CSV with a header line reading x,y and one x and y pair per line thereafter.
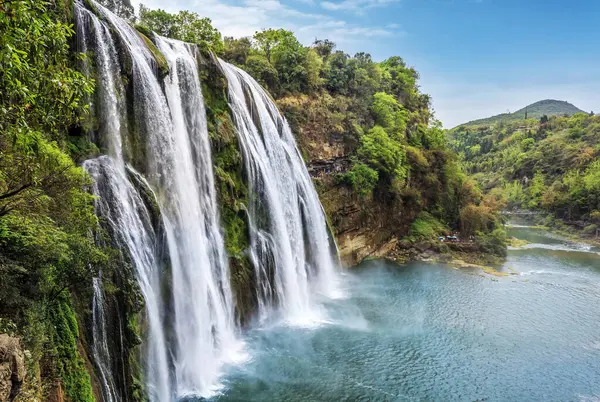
x,y
493,243
362,178
426,227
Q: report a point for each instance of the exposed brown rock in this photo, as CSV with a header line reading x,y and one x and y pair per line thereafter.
x,y
12,367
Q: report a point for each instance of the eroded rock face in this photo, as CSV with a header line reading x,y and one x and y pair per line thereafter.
x,y
12,367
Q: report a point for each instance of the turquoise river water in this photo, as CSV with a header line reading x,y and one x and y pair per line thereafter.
x,y
428,332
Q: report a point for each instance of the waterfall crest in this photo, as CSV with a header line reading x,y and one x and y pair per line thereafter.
x,y
291,250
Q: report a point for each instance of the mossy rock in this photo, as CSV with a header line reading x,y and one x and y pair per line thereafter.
x,y
161,62
144,30
146,194
90,6
71,366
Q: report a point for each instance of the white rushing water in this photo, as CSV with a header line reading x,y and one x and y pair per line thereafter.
x,y
179,168
190,334
100,348
291,248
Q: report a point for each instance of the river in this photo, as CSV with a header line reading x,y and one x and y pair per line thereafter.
x,y
428,332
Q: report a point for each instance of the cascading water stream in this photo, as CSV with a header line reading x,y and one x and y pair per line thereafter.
x,y
204,322
191,329
179,168
100,348
131,225
291,249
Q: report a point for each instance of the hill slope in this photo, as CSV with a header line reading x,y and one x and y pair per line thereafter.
x,y
552,166
548,107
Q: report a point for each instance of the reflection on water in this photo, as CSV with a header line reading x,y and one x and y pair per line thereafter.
x,y
429,332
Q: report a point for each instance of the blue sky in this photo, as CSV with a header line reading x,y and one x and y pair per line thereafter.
x,y
476,57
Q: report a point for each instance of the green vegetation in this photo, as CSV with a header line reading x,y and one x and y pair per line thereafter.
x,y
71,367
549,164
426,227
397,167
185,25
539,110
122,8
46,216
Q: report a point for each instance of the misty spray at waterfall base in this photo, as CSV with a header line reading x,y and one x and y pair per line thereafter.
x,y
157,199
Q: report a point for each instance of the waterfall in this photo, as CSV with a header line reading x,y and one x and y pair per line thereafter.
x,y
178,168
204,322
130,222
100,348
155,189
290,246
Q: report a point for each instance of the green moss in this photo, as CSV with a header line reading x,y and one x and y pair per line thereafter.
x,y
162,65
90,6
144,30
71,366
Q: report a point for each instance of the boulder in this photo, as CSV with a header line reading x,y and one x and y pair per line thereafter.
x,y
423,246
12,367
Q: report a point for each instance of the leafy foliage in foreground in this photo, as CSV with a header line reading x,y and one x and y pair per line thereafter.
x,y
46,216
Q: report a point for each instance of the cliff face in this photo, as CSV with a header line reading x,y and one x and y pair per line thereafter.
x,y
363,226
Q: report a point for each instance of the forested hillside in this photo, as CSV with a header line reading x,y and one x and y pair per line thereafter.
x,y
549,164
547,107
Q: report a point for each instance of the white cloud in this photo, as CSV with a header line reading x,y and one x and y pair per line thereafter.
x,y
355,6
245,17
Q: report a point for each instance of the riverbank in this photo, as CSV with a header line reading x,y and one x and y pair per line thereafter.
x,y
472,253
578,231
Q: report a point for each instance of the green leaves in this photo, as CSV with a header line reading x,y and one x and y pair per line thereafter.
x,y
46,216
390,115
363,179
186,26
381,152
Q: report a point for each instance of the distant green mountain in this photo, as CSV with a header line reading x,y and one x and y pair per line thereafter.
x,y
548,107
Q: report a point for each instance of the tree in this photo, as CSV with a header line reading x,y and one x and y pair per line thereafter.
x,y
535,191
382,153
237,50
313,66
363,179
190,27
159,21
122,8
323,47
46,216
42,96
389,114
336,73
268,39
259,67
186,26
543,119
475,218
401,79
